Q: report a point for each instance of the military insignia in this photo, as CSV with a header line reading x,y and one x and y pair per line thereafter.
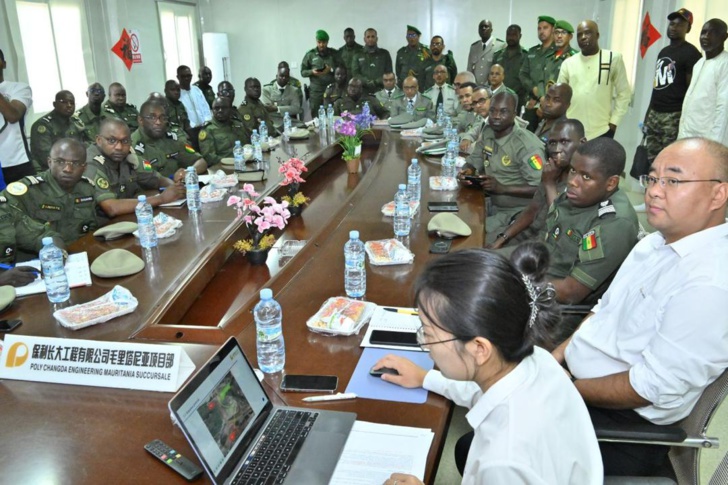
x,y
100,159
85,228
506,160
9,250
147,166
488,151
81,200
246,117
41,129
536,162
122,188
50,207
3,199
203,135
173,135
16,188
139,147
573,235
102,182
606,207
189,149
589,241
173,155
556,232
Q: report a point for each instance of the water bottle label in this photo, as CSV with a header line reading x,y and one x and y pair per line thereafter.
x,y
269,334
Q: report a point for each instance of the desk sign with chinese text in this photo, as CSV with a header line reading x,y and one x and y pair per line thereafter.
x,y
124,365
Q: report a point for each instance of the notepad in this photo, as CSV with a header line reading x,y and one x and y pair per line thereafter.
x,y
77,271
395,322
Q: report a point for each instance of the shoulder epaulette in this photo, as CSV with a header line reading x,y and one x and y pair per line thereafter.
x,y
269,84
172,135
606,207
139,147
3,199
100,158
477,42
93,184
34,179
129,105
48,117
296,83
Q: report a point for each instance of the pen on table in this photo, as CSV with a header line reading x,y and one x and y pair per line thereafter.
x,y
334,397
406,311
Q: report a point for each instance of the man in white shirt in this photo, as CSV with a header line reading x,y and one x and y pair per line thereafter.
x,y
659,335
15,99
195,103
705,107
599,81
442,92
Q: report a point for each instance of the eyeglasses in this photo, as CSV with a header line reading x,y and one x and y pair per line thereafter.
x,y
421,339
436,43
96,91
649,181
412,35
115,141
560,32
66,163
480,101
156,119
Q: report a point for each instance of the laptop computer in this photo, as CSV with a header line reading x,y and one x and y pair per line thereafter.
x,y
226,416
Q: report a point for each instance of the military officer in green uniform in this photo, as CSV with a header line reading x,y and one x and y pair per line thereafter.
x,y
480,104
508,161
533,74
117,107
90,115
226,90
291,80
218,137
176,111
119,176
563,32
158,148
511,58
412,101
336,89
466,115
412,58
280,97
591,227
20,239
354,99
61,197
350,50
390,91
205,76
371,63
174,128
437,47
252,110
318,65
59,123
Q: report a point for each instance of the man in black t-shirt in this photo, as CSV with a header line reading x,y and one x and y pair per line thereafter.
x,y
673,71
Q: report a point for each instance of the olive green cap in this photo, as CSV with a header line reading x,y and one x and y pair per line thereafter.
x,y
117,230
414,29
564,25
322,36
299,134
115,263
448,225
414,124
7,296
546,18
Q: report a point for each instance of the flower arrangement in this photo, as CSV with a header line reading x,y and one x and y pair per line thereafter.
x,y
291,170
352,129
259,220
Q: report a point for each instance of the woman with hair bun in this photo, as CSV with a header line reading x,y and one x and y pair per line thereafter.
x,y
481,315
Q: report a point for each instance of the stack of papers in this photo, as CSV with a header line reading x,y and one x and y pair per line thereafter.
x,y
374,451
77,271
383,319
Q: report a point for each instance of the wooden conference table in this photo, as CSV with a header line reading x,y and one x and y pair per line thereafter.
x,y
196,292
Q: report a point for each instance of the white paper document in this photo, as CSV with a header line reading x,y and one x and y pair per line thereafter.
x,y
77,271
397,322
374,451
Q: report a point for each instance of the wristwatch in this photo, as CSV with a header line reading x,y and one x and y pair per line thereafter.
x,y
504,236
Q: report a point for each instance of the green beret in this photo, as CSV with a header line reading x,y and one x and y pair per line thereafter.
x,y
414,29
7,296
115,263
115,231
564,25
448,225
546,18
321,35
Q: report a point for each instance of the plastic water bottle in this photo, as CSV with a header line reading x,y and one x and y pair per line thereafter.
x,y
402,221
448,161
271,348
286,125
440,114
330,116
448,122
192,186
322,117
54,274
366,110
257,149
145,220
239,157
414,178
263,132
355,271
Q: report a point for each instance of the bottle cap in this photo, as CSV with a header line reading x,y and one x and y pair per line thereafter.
x,y
414,161
353,234
47,240
402,186
142,198
237,142
190,168
266,294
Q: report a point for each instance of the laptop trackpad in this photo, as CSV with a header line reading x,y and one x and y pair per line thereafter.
x,y
318,457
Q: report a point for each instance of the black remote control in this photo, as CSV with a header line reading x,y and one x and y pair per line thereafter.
x,y
174,460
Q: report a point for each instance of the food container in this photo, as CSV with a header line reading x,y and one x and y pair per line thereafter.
x,y
341,316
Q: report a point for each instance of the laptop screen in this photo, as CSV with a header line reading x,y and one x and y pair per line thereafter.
x,y
219,407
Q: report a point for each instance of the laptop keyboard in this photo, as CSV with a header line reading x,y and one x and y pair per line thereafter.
x,y
273,455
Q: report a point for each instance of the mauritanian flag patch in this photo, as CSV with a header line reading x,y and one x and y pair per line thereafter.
x,y
189,149
536,162
589,241
147,166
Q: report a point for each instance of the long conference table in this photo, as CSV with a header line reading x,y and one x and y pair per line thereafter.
x,y
196,292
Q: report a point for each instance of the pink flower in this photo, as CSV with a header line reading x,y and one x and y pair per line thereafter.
x,y
250,190
262,224
248,219
233,200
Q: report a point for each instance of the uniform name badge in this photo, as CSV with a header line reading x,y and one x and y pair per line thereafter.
x,y
487,153
506,160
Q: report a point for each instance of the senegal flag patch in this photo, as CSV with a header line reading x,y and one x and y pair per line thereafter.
x,y
189,149
147,166
589,241
536,162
